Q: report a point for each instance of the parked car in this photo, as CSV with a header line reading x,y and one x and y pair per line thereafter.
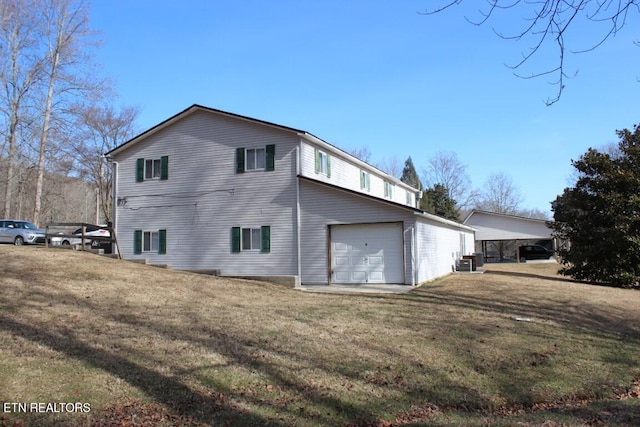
x,y
528,252
90,231
20,232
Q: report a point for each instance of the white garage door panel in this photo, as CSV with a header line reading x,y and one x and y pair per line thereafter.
x,y
367,253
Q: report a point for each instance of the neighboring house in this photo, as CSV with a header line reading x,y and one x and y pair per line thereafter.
x,y
212,190
496,227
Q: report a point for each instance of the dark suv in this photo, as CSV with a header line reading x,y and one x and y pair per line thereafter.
x,y
534,252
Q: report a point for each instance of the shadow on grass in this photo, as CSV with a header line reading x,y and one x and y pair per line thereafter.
x,y
300,398
529,275
175,395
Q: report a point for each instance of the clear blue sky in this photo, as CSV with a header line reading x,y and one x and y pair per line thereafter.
x,y
376,74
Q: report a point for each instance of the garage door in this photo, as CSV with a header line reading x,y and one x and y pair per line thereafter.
x,y
367,253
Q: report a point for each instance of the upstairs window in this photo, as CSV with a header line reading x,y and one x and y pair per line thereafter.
x,y
323,163
365,181
255,158
148,169
388,190
152,169
252,159
409,198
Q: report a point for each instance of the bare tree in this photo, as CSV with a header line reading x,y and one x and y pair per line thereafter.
x,y
549,22
102,129
362,153
534,213
446,169
20,71
67,37
499,195
391,165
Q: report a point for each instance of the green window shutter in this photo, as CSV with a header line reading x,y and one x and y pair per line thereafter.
x,y
137,242
139,170
239,160
271,157
328,166
162,241
265,231
317,156
235,239
164,167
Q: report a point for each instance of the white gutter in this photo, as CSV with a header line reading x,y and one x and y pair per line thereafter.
x,y
445,221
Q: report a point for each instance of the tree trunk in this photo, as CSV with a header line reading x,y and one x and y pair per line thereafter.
x,y
43,140
8,193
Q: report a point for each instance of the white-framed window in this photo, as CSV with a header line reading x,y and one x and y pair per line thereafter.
x,y
251,239
150,241
323,163
388,190
365,181
152,169
409,198
256,159
256,239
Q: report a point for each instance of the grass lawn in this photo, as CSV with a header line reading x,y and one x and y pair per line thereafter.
x,y
147,346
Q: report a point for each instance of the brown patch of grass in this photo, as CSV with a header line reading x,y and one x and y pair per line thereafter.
x,y
80,328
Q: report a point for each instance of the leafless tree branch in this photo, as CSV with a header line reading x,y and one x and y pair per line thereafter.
x,y
549,21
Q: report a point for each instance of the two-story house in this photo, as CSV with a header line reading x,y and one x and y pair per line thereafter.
x,y
212,190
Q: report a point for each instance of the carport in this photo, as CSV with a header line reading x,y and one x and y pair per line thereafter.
x,y
496,227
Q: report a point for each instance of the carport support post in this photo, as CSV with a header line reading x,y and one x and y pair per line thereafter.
x,y
484,250
518,250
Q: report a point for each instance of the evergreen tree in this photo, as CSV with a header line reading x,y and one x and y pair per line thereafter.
x,y
600,216
436,200
409,174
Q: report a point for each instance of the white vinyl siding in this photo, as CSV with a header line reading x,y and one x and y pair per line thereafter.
x,y
438,248
205,197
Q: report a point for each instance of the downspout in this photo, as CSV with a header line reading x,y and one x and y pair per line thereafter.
x,y
412,231
114,203
414,250
298,227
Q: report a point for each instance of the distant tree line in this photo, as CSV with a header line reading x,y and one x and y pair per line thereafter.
x,y
56,115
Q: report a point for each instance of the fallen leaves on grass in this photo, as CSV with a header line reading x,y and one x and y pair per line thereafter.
x,y
140,414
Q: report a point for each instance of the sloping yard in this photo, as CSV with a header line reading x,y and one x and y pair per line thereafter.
x,y
138,345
